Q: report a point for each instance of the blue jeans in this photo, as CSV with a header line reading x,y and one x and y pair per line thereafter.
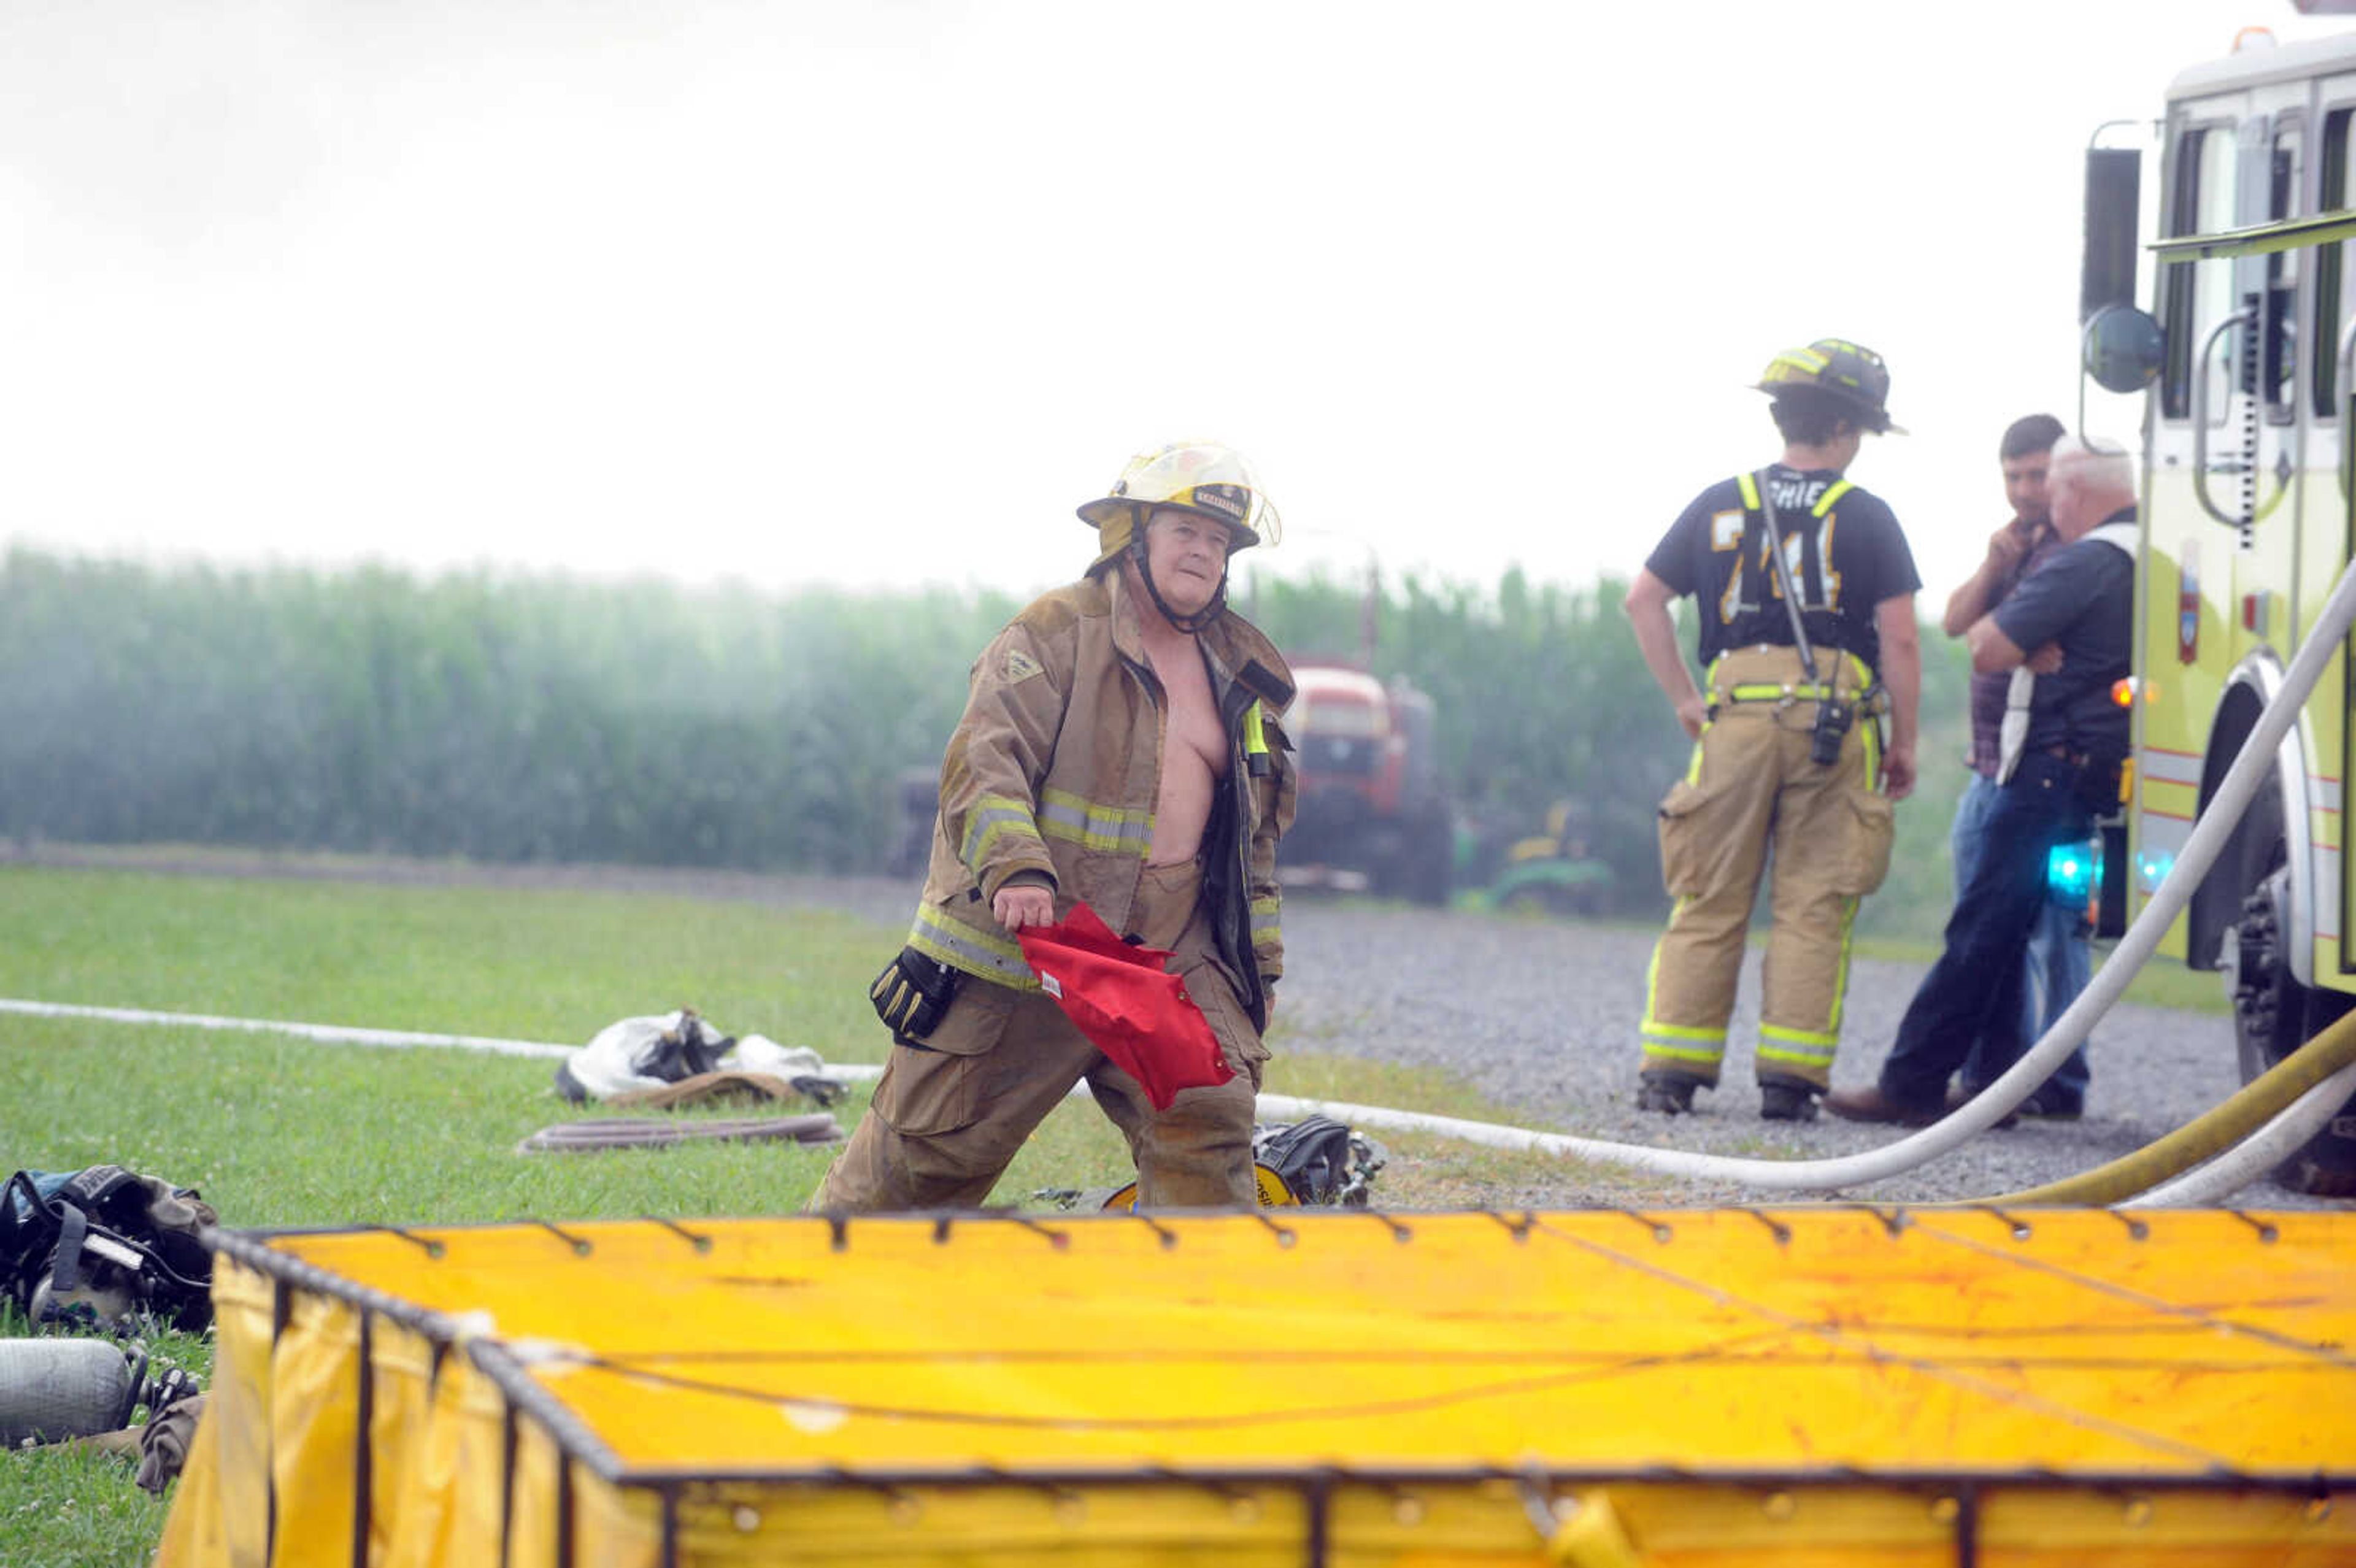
x,y
1975,990
2059,963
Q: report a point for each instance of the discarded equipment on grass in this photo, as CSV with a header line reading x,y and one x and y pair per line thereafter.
x,y
102,1247
655,1056
655,1132
1319,1161
678,1060
54,1388
1315,1160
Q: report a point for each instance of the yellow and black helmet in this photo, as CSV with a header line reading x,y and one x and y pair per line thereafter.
x,y
1198,475
1853,374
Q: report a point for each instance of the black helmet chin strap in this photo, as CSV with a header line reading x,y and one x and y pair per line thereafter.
x,y
1200,618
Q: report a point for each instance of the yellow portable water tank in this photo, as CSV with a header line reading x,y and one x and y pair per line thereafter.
x,y
1835,1384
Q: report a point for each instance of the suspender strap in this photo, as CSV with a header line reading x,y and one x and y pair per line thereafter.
x,y
1752,595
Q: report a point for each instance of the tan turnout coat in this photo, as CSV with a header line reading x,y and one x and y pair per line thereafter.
x,y
1055,770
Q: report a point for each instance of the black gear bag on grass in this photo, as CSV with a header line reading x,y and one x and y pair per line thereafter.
x,y
1319,1159
100,1246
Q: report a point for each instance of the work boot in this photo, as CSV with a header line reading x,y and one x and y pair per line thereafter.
x,y
1869,1104
1787,1100
1670,1094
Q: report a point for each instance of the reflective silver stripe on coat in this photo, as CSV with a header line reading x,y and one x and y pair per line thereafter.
x,y
992,815
960,946
1078,820
1267,923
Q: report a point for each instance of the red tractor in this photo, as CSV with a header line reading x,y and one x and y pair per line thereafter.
x,y
1373,814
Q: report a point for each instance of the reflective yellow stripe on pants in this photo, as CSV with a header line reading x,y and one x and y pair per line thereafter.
x,y
1752,784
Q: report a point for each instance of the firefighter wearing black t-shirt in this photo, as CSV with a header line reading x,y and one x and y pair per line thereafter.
x,y
1756,780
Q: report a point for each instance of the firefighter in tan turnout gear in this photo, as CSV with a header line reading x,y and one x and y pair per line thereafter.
x,y
1119,747
1789,754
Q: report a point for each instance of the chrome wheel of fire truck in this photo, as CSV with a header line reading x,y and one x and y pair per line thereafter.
x,y
2274,1015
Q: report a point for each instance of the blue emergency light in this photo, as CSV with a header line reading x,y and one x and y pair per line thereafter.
x,y
2072,872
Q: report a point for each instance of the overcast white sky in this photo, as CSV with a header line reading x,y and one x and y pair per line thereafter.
x,y
864,292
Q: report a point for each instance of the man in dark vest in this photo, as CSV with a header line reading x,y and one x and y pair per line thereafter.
x,y
2060,956
2058,768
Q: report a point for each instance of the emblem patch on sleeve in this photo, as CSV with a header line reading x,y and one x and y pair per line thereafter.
x,y
1020,666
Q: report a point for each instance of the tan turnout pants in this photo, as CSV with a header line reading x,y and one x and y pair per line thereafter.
x,y
1752,785
947,1121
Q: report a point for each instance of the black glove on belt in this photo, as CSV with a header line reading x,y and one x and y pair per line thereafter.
x,y
912,993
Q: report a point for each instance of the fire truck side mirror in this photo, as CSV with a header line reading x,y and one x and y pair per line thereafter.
x,y
2124,348
2107,270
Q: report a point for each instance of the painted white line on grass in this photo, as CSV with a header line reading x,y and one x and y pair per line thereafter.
x,y
339,1034
335,1032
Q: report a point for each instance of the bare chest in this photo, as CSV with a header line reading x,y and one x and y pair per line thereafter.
x,y
1193,733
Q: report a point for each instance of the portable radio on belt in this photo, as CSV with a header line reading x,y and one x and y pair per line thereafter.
x,y
1833,715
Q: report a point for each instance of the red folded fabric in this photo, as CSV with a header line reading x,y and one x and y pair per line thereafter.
x,y
1129,1005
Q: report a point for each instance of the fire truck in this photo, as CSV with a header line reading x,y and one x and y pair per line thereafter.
x,y
2243,362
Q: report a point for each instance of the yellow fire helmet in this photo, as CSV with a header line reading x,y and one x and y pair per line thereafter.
x,y
1199,475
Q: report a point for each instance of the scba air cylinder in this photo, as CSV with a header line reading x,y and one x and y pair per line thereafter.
x,y
51,1389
